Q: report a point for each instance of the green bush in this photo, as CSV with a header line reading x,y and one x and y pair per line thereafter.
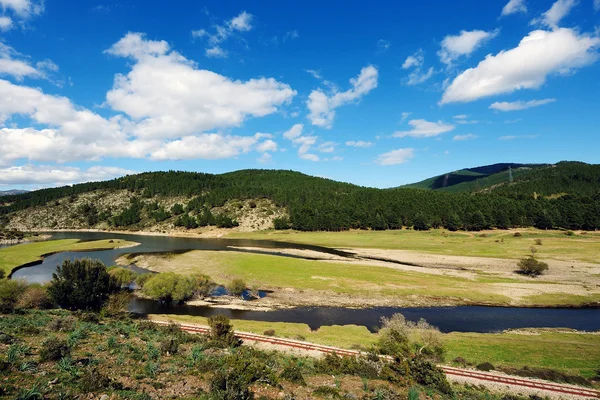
x,y
427,374
93,380
53,349
401,337
122,276
293,373
236,287
141,279
10,292
81,285
486,366
221,331
170,287
335,365
34,297
532,267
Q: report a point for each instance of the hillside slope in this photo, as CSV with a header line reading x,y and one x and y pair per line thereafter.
x,y
475,179
566,195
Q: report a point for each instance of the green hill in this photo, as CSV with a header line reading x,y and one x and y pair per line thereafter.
x,y
565,195
475,179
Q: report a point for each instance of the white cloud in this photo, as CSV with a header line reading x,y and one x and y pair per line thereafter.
x,y
423,128
327,147
315,74
47,174
215,52
309,157
513,137
469,136
405,115
265,158
170,104
242,22
290,35
463,44
13,63
322,107
414,61
239,23
417,77
5,23
168,96
556,13
597,5
460,116
519,105
294,132
267,145
514,6
359,143
395,157
383,45
525,67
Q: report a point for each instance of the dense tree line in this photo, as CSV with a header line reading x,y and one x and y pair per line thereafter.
x,y
563,196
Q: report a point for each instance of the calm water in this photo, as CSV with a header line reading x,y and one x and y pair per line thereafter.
x,y
448,319
460,319
42,273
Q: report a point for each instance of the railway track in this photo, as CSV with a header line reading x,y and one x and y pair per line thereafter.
x,y
458,372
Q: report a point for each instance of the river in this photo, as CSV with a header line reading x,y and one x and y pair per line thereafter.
x,y
460,319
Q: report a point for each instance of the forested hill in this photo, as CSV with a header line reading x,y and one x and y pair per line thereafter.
x,y
476,179
11,192
566,195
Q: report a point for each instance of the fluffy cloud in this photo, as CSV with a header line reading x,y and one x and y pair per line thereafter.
x,y
169,106
305,144
556,13
395,157
513,7
417,77
294,132
359,143
597,5
13,63
46,174
265,158
240,23
383,45
519,105
468,136
422,128
526,66
414,61
168,96
5,23
463,44
322,106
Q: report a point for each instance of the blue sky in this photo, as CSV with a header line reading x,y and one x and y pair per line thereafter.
x,y
378,95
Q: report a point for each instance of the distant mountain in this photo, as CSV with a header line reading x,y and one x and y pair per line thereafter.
x,y
476,179
12,192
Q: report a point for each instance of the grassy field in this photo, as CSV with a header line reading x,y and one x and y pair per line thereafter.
x,y
500,244
272,272
14,256
370,283
571,353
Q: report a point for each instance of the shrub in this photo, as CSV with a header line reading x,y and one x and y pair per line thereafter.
x,y
2,274
117,303
427,374
10,292
293,373
62,324
236,287
281,223
400,337
81,285
221,331
93,380
122,276
532,267
53,349
486,366
538,242
34,297
269,332
335,365
517,234
170,287
169,346
204,285
569,233
141,279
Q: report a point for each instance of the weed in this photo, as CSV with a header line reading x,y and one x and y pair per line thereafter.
x,y
413,394
53,349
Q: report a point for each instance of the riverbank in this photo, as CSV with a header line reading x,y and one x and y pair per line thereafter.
x,y
15,257
362,281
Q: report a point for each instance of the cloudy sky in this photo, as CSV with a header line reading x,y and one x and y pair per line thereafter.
x,y
378,95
